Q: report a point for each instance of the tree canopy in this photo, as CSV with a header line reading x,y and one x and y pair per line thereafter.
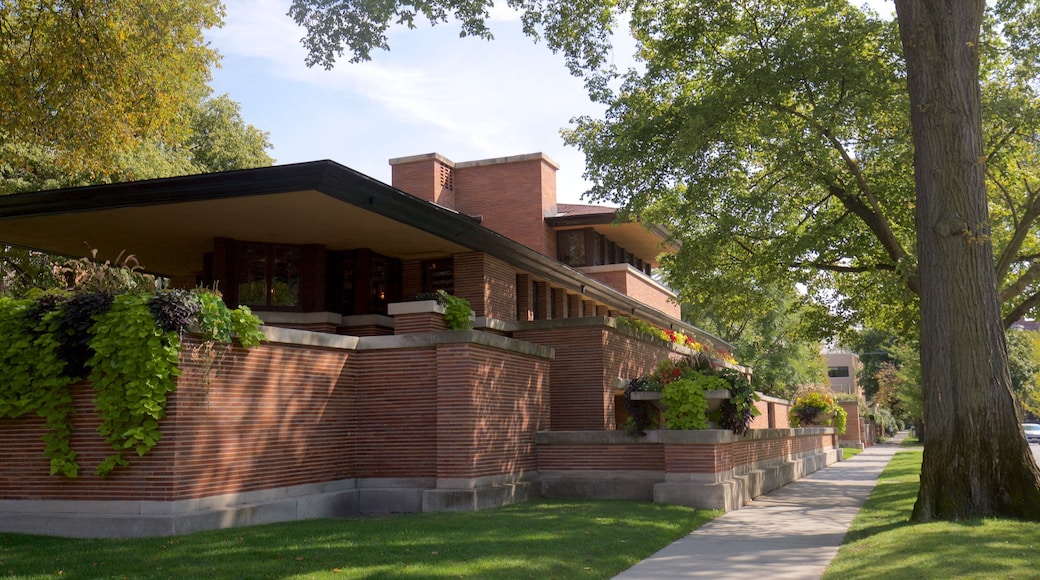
x,y
97,92
88,81
813,141
773,137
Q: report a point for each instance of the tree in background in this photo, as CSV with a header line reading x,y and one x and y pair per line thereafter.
x,y
874,348
217,139
777,139
1024,363
771,332
89,81
899,385
97,92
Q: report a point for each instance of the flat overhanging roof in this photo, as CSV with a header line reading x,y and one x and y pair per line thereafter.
x,y
169,223
646,242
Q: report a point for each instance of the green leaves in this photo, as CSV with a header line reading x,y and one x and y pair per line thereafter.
x,y
457,311
132,373
686,402
131,358
91,80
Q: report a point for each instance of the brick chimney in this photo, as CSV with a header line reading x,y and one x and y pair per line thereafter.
x,y
511,195
430,177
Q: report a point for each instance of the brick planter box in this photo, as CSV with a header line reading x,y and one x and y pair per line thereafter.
x,y
711,469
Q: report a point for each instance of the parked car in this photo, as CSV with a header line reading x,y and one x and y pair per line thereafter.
x,y
1032,432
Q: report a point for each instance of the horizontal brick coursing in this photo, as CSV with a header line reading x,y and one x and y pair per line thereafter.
x,y
588,361
511,199
419,322
601,457
489,284
633,285
329,327
490,404
396,433
257,419
365,330
279,415
704,458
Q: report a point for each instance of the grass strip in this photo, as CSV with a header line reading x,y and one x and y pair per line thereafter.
x,y
847,452
541,539
883,543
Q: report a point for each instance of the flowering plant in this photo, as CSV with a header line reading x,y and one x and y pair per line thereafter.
x,y
818,408
676,337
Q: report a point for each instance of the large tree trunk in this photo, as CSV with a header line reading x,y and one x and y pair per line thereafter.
x,y
976,460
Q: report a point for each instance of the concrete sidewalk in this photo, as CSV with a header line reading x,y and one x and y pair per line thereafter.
x,y
791,532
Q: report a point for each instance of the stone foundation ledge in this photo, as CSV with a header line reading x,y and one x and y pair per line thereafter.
x,y
346,498
137,519
601,484
384,496
732,494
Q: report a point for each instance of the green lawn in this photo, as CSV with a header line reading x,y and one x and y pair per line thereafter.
x,y
847,452
543,539
882,543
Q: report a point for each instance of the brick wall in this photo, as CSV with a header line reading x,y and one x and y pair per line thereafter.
x,y
488,283
773,414
279,415
618,456
490,404
859,431
272,416
634,285
589,358
512,195
677,458
429,177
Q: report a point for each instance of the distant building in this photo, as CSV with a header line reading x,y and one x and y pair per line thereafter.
x,y
842,368
1026,324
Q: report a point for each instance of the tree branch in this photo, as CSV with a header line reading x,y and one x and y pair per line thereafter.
x,y
870,212
1021,310
1022,229
831,267
1018,286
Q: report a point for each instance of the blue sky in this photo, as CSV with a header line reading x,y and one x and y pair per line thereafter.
x,y
466,99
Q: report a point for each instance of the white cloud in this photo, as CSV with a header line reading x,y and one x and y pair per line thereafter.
x,y
465,98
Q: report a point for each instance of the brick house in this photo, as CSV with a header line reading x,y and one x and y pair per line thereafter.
x,y
363,401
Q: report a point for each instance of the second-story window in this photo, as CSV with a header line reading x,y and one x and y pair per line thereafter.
x,y
838,372
587,247
570,246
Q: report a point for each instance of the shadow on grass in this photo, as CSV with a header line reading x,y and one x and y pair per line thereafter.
x,y
882,542
535,540
971,549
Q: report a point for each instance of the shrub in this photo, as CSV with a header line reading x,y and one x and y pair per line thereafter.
x,y
457,311
818,408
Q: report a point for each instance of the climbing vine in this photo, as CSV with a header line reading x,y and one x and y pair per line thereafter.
x,y
133,368
127,344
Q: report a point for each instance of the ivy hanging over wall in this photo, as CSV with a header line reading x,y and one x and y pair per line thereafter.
x,y
126,341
